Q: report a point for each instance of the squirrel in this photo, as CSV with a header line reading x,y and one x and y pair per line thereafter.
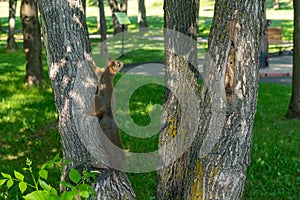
x,y
102,102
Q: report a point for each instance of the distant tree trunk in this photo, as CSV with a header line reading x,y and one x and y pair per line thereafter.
x,y
276,4
11,42
74,85
123,6
115,8
294,108
1,29
264,55
213,125
32,42
104,51
142,19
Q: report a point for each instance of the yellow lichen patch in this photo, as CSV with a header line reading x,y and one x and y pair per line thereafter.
x,y
213,174
197,188
172,130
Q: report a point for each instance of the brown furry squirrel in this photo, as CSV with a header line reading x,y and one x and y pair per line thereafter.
x,y
103,103
104,97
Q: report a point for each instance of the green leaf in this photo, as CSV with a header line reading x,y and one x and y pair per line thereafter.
x,y
56,157
2,181
53,191
68,195
22,186
37,195
6,175
86,187
68,161
44,174
25,169
74,176
44,185
9,183
28,162
84,194
66,184
18,175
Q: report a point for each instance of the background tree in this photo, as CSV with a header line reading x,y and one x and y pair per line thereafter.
x,y
11,42
218,120
103,28
294,108
276,4
74,86
32,42
142,19
114,6
264,56
1,29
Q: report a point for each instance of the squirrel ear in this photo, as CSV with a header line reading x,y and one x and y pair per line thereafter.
x,y
109,60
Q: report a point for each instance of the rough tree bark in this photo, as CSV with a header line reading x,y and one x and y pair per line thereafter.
x,y
74,85
294,108
180,16
113,4
11,42
218,119
103,28
142,19
32,42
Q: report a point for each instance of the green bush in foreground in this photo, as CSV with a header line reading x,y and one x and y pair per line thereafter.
x,y
38,188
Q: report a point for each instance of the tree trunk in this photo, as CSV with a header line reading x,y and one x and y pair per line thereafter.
x,y
294,108
142,19
103,28
32,42
197,19
11,42
213,125
74,86
1,29
123,6
264,55
180,61
115,8
276,4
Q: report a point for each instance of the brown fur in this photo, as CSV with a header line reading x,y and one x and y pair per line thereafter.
x,y
103,105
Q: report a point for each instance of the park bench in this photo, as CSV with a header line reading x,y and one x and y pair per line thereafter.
x,y
275,38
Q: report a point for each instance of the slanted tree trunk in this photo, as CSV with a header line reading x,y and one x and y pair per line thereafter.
x,y
11,42
32,42
294,108
103,28
142,19
276,4
74,86
213,125
113,4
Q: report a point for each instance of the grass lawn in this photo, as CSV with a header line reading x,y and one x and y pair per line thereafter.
x,y
28,118
28,129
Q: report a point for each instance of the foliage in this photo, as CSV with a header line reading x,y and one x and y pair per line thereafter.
x,y
40,189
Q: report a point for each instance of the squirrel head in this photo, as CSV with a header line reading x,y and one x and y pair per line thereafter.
x,y
114,66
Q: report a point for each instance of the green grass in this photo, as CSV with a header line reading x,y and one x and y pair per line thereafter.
x,y
274,172
28,123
